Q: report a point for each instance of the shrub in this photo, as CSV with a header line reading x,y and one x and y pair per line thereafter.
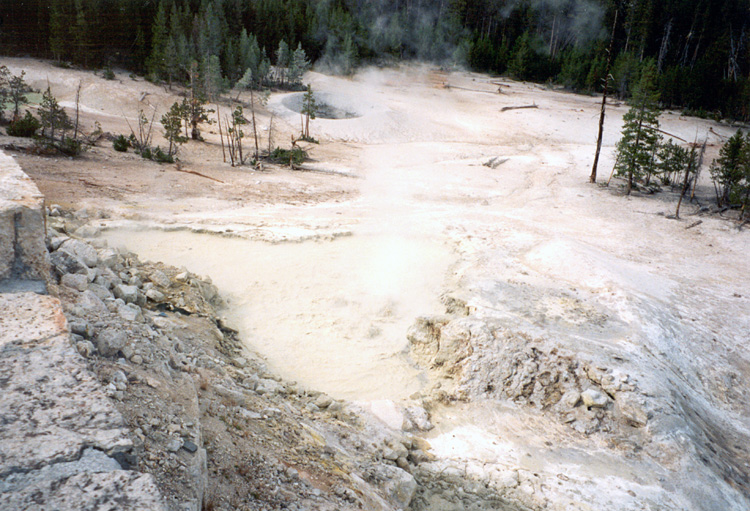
x,y
121,144
70,147
296,155
25,126
162,157
108,74
146,153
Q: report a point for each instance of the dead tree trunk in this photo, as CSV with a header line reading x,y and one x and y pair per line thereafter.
x,y
592,177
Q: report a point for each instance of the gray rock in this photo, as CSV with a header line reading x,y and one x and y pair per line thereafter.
x,y
323,401
100,291
109,342
189,446
75,281
160,279
174,444
630,408
82,328
129,294
89,301
85,348
399,485
120,380
130,312
83,251
593,398
108,257
571,398
56,241
63,263
87,231
268,386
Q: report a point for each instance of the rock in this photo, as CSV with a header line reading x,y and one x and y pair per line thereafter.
x,y
129,294
571,398
417,418
120,380
108,257
250,415
87,231
399,485
592,398
85,348
174,444
630,408
109,342
240,362
89,301
155,296
136,359
323,401
136,281
64,262
159,278
268,386
182,277
81,250
189,446
75,281
82,328
56,241
100,291
130,312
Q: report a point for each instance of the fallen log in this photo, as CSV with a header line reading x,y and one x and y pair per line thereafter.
x,y
506,108
448,86
694,224
186,171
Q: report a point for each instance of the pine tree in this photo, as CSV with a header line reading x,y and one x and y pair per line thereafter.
x,y
729,169
282,61
309,109
17,89
155,64
172,123
636,150
298,66
53,117
81,36
5,77
57,29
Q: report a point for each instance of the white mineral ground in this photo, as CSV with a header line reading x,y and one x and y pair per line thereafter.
x,y
529,243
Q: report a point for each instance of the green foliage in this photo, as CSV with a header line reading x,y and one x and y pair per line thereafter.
x,y
54,119
121,144
108,74
25,126
160,156
673,161
636,150
296,155
298,65
17,90
309,109
704,65
731,172
172,124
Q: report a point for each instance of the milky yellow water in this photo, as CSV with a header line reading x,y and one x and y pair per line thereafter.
x,y
331,315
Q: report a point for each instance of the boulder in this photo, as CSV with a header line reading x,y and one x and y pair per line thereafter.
x,y
128,294
109,342
81,250
76,281
593,398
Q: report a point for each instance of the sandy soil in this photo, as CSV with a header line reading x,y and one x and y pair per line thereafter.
x,y
530,242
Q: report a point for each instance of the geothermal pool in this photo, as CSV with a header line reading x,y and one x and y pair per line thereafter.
x,y
331,315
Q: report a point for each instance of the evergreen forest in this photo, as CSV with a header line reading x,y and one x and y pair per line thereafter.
x,y
699,48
